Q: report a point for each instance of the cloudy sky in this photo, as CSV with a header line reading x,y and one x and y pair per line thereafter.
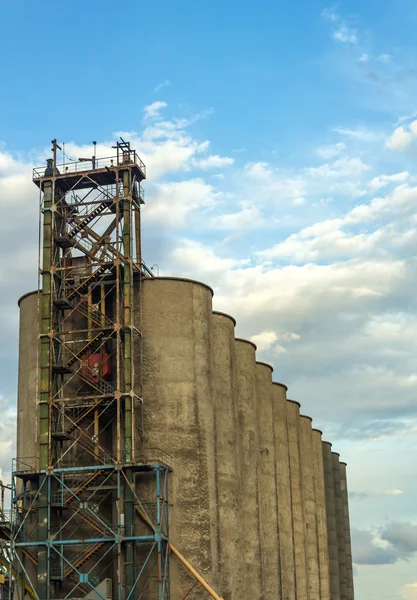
x,y
281,147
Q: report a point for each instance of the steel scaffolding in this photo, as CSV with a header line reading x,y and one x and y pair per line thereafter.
x,y
90,512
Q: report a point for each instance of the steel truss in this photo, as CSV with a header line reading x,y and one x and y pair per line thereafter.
x,y
77,515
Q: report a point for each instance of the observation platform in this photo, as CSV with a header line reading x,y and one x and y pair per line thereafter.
x,y
82,175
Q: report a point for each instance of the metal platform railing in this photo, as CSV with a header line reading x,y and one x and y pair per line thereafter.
x,y
130,158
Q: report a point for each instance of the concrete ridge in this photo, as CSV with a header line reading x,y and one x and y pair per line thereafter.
x,y
294,402
179,279
223,314
246,342
336,453
342,462
264,364
25,296
280,384
319,430
307,417
326,442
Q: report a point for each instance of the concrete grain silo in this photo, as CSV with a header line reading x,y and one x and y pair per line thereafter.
x,y
320,493
156,458
249,448
297,500
284,492
268,509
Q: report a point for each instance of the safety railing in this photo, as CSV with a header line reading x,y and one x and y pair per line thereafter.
x,y
127,158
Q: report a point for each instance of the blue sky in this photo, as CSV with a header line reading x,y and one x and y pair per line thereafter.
x,y
281,143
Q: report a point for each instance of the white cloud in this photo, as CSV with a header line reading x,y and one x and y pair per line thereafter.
x,y
327,152
413,128
264,340
363,58
362,134
258,170
213,162
384,58
382,180
330,14
163,84
400,139
248,217
409,591
171,204
345,35
153,110
339,168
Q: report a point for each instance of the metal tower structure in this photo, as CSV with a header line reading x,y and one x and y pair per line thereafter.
x,y
80,526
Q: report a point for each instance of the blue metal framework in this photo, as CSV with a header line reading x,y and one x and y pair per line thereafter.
x,y
75,565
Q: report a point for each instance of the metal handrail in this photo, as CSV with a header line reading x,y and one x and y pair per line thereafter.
x,y
99,163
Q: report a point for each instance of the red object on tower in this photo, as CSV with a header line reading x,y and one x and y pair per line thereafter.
x,y
96,365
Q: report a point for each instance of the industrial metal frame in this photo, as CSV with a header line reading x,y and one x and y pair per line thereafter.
x,y
78,513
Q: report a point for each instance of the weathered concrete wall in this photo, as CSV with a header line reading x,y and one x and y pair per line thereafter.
x,y
293,425
331,521
259,503
27,413
310,510
249,444
268,509
322,540
348,546
340,526
286,536
178,417
227,458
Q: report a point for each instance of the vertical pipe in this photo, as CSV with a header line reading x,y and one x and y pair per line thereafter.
x,y
320,493
249,443
286,539
331,521
127,341
45,341
227,459
348,546
138,237
293,428
340,526
268,510
45,384
310,509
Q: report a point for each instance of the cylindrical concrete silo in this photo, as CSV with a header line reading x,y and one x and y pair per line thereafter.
x,y
286,536
331,521
348,546
340,526
268,510
310,509
293,425
27,422
249,444
322,540
227,457
178,417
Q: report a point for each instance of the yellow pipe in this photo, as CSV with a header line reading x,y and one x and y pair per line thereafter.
x,y
183,560
27,587
194,573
